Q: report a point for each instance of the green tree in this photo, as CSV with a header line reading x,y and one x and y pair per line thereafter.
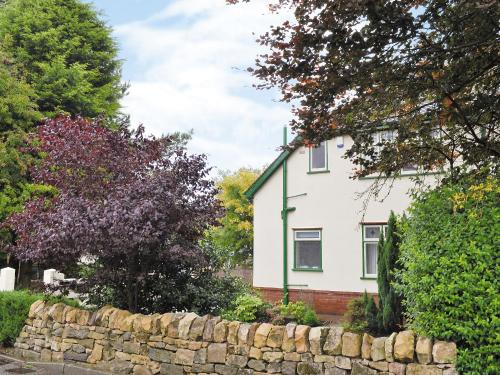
x,y
450,270
233,238
18,112
428,69
66,53
390,315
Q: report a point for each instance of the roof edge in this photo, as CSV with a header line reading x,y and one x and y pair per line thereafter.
x,y
268,172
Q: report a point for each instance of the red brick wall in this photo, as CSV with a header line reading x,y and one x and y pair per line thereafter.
x,y
324,302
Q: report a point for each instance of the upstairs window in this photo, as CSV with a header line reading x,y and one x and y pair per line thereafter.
x,y
307,250
318,158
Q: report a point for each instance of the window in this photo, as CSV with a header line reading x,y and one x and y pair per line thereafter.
x,y
318,158
307,248
371,236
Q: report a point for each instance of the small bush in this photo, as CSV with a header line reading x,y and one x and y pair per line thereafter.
x,y
247,308
361,315
298,312
14,308
451,271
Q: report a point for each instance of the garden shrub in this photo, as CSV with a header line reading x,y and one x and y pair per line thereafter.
x,y
247,308
361,315
14,308
299,312
451,270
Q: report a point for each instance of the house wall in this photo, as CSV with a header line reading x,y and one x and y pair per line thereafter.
x,y
332,203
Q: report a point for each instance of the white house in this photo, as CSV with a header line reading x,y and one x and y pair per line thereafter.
x,y
323,249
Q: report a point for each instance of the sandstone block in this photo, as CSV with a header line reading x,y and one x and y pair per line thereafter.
x,y
141,370
418,369
424,350
197,328
168,369
389,347
255,353
208,333
351,344
404,346
272,356
397,368
380,366
275,337
261,334
305,368
302,338
36,308
256,365
359,369
237,360
366,346
289,338
444,352
232,332
160,355
333,342
288,368
335,371
378,349
184,357
220,331
343,362
96,354
185,325
216,353
317,338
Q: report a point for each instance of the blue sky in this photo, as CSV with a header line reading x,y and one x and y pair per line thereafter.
x,y
186,62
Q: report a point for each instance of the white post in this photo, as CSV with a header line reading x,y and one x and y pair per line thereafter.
x,y
7,279
49,276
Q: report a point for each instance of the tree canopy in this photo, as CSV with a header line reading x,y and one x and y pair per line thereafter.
x,y
135,205
428,69
233,237
65,53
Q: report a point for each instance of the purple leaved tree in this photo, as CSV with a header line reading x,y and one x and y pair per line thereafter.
x,y
136,205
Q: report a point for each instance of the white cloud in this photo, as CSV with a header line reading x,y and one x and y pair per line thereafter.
x,y
192,57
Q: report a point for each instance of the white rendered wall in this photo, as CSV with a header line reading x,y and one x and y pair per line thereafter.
x,y
330,204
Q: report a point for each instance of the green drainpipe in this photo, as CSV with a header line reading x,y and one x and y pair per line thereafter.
x,y
284,217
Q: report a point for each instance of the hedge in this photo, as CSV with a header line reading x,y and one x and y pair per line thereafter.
x,y
451,271
14,308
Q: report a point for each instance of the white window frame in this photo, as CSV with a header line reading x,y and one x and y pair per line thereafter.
x,y
311,150
366,240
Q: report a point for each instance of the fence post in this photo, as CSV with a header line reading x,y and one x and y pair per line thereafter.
x,y
7,279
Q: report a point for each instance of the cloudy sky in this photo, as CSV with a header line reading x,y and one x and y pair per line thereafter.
x,y
186,62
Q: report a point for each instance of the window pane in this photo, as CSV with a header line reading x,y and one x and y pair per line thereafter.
x,y
308,234
372,232
371,258
318,156
308,254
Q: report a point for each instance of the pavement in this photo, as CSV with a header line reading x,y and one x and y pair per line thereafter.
x,y
13,366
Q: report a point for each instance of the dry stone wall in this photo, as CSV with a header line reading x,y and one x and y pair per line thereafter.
x,y
185,343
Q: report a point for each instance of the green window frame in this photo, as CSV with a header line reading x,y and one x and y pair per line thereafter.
x,y
370,241
312,149
307,236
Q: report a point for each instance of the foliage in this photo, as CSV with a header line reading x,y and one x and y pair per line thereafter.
x,y
233,237
247,308
390,314
428,69
14,307
355,316
451,269
361,315
299,312
135,205
65,53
